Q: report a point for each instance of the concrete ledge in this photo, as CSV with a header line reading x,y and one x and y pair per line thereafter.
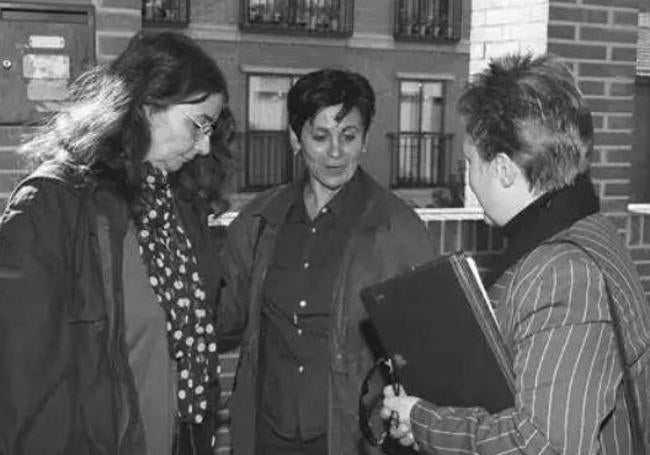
x,y
639,209
446,214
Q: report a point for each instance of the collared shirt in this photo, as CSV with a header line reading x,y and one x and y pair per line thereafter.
x,y
298,293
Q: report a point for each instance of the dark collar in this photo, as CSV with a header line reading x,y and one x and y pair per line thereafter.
x,y
549,214
353,193
64,171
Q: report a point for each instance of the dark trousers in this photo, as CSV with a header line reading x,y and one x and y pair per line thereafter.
x,y
270,443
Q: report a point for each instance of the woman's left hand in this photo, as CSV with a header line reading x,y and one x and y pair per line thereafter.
x,y
401,405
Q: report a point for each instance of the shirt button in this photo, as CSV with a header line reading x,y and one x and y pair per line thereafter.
x,y
301,369
303,303
299,331
306,265
313,230
324,210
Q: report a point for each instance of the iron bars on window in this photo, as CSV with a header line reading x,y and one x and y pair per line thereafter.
x,y
312,17
428,20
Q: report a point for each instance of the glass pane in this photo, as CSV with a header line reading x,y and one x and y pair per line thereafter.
x,y
432,107
409,106
267,102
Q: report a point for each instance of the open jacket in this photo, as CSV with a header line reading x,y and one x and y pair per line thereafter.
x,y
387,238
65,382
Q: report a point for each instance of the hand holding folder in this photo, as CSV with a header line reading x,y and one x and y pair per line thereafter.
x,y
437,324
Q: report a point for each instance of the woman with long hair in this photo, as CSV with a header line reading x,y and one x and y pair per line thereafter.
x,y
107,338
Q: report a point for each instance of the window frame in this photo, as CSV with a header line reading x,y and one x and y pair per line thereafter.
x,y
290,163
447,138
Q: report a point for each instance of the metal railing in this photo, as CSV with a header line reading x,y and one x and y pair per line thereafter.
x,y
313,17
165,13
428,20
420,160
264,159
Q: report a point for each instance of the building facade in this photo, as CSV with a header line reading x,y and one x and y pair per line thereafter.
x,y
415,54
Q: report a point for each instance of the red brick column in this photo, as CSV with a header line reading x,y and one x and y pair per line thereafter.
x,y
597,38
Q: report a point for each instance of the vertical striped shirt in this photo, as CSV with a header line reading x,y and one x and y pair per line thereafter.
x,y
553,313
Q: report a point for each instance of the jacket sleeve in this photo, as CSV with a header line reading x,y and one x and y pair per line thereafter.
x,y
35,396
413,241
565,366
236,262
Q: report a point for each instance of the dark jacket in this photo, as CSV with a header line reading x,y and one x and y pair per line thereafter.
x,y
65,382
387,238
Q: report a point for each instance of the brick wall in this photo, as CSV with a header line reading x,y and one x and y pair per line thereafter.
x,y
598,39
502,26
599,44
499,27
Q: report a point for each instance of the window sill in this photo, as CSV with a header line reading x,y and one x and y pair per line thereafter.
x,y
442,214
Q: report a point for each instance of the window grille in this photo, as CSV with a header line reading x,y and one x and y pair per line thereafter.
x,y
166,13
428,20
315,17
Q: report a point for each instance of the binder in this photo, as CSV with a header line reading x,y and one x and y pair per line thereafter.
x,y
437,324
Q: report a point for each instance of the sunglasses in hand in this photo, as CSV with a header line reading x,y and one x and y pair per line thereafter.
x,y
373,427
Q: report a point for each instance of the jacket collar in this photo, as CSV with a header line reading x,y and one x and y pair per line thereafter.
x,y
274,210
546,216
63,171
102,192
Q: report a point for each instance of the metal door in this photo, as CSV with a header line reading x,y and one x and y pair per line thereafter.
x,y
42,48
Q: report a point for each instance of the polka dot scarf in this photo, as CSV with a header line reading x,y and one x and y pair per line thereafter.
x,y
173,273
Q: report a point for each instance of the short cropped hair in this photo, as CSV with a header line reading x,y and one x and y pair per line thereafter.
x,y
328,87
530,109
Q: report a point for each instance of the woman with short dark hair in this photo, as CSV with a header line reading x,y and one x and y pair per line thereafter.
x,y
295,260
106,260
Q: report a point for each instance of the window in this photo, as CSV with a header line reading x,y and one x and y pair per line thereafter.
x,y
166,13
319,17
421,150
428,20
268,157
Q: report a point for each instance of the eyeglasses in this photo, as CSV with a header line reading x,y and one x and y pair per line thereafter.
x,y
205,129
372,425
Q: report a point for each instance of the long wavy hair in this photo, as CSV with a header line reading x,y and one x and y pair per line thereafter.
x,y
102,128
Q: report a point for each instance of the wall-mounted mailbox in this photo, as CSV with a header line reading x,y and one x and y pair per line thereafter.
x,y
43,48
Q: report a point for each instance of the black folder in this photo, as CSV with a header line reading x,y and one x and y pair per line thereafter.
x,y
437,324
